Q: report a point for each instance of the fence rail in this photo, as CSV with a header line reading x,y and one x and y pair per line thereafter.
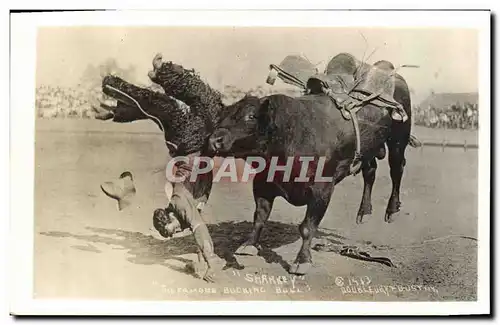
x,y
445,144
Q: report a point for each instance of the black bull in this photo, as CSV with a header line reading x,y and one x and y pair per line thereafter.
x,y
282,126
314,126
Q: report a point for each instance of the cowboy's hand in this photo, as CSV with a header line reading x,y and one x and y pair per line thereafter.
x,y
209,275
214,269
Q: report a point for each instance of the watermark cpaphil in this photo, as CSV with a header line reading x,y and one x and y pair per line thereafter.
x,y
297,169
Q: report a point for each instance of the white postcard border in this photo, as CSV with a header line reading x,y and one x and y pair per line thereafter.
x,y
23,60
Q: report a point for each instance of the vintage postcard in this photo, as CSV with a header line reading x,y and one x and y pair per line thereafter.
x,y
237,163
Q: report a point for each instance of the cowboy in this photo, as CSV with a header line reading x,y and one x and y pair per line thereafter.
x,y
184,210
186,136
186,202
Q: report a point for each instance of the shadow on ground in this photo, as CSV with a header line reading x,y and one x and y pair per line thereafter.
x,y
227,237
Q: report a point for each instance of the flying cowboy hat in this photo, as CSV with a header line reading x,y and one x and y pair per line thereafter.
x,y
122,190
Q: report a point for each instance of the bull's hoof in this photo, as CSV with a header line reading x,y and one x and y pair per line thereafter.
x,y
389,217
360,219
300,268
390,213
247,250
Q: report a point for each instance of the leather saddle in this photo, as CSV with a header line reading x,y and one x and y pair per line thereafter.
x,y
348,80
350,83
293,70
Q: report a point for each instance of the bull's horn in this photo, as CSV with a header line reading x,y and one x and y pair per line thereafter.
x,y
122,190
271,77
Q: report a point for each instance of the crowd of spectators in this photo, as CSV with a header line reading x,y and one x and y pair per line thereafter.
x,y
64,102
457,116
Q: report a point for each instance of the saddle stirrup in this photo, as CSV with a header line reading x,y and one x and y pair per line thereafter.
x,y
356,161
348,110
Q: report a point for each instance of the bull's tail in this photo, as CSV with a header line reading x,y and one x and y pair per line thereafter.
x,y
414,142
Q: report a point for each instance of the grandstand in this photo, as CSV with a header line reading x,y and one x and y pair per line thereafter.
x,y
444,110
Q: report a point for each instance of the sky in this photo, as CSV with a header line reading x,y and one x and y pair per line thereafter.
x,y
240,56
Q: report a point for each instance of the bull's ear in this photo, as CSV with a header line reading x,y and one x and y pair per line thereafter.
x,y
266,108
266,116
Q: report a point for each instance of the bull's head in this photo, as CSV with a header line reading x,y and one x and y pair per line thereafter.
x,y
245,130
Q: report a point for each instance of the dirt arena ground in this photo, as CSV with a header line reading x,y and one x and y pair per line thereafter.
x,y
85,248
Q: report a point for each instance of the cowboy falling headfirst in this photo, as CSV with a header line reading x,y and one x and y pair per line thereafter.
x,y
188,197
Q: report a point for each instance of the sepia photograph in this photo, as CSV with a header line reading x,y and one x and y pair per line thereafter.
x,y
250,159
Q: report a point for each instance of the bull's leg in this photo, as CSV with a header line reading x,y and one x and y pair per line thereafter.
x,y
315,212
397,163
365,208
263,207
